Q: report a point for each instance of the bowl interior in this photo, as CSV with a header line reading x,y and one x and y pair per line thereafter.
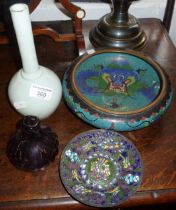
x,y
117,82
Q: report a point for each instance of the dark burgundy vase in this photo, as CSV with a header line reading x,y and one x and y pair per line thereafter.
x,y
33,146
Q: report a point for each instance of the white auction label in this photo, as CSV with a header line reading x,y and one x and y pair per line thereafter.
x,y
40,92
19,104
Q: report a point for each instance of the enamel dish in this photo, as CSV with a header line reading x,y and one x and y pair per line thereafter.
x,y
101,168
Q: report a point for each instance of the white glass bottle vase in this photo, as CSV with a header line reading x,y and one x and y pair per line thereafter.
x,y
34,89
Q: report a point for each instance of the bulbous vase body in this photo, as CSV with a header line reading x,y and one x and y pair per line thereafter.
x,y
39,96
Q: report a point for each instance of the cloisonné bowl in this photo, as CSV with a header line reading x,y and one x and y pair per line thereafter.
x,y
101,168
117,89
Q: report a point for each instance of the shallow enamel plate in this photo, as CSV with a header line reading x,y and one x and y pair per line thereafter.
x,y
121,90
101,168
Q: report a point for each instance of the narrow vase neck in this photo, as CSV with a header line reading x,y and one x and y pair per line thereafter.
x,y
23,30
120,10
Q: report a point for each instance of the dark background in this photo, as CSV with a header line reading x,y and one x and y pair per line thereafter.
x,y
4,5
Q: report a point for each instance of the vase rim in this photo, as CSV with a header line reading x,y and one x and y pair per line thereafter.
x,y
18,7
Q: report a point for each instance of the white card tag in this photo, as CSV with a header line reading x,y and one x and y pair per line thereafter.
x,y
40,92
19,104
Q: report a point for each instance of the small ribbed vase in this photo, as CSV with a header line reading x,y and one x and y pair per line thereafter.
x,y
34,89
33,146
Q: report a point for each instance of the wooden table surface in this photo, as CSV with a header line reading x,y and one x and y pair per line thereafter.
x,y
156,143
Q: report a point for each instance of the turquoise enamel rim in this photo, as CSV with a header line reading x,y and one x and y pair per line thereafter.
x,y
126,121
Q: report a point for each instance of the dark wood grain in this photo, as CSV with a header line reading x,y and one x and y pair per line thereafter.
x,y
33,4
156,143
77,22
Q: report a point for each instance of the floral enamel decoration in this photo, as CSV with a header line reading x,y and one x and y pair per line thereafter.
x,y
101,168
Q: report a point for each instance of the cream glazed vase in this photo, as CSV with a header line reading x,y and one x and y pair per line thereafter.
x,y
34,89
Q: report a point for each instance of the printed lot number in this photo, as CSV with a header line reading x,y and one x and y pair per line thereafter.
x,y
40,92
